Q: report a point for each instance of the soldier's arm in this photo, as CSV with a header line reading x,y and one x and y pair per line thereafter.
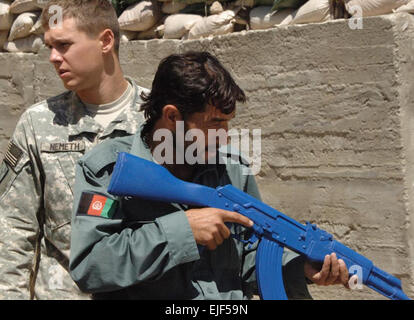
x,y
20,200
107,256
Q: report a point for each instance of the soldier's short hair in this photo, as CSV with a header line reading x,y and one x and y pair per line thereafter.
x,y
92,16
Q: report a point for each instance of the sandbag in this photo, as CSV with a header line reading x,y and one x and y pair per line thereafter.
x,y
373,7
248,3
286,4
263,17
194,1
41,3
22,25
177,25
216,8
6,18
121,5
406,8
139,17
151,33
126,35
37,27
279,4
172,7
312,11
32,44
20,6
213,25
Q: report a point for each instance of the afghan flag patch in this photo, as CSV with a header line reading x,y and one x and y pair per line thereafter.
x,y
92,204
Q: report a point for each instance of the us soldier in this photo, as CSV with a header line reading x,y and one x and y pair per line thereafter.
x,y
38,171
139,249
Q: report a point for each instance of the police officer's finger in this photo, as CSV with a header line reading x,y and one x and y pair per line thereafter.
x,y
224,231
210,239
229,216
334,272
211,245
343,272
218,238
320,277
326,268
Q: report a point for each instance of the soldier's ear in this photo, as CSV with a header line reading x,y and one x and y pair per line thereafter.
x,y
107,40
170,116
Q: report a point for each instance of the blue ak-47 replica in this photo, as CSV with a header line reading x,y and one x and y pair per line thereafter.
x,y
133,176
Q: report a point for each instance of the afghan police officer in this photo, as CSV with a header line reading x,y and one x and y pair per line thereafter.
x,y
38,171
141,249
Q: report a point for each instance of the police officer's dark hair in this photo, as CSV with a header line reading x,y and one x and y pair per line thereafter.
x,y
189,81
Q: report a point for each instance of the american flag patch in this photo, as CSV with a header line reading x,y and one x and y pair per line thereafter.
x,y
13,155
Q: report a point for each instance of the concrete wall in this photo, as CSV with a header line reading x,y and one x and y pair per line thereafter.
x,y
335,107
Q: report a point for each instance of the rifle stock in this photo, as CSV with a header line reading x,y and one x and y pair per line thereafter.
x,y
151,181
133,176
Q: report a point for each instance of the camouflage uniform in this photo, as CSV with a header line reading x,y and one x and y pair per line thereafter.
x,y
36,193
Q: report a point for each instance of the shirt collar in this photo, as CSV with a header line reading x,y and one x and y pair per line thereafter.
x,y
128,120
139,148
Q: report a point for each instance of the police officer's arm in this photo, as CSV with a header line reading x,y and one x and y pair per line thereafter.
x,y
20,202
105,255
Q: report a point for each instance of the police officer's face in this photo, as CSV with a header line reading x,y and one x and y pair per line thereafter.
x,y
210,122
76,56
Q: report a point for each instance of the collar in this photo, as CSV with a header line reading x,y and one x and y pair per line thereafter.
x,y
80,122
139,148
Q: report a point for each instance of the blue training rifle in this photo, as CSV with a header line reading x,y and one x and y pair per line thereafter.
x,y
133,176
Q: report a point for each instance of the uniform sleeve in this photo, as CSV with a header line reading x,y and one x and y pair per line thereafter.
x,y
107,256
20,200
292,263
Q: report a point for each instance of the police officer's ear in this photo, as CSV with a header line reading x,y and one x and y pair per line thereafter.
x,y
170,115
107,40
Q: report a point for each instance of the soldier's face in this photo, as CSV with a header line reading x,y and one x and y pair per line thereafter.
x,y
76,56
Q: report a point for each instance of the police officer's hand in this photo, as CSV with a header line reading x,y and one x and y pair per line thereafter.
x,y
208,225
333,271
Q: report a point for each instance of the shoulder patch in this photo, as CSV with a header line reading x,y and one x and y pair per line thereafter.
x,y
13,155
92,204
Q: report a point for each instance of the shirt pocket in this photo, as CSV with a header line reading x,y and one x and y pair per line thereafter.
x,y
59,170
60,160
